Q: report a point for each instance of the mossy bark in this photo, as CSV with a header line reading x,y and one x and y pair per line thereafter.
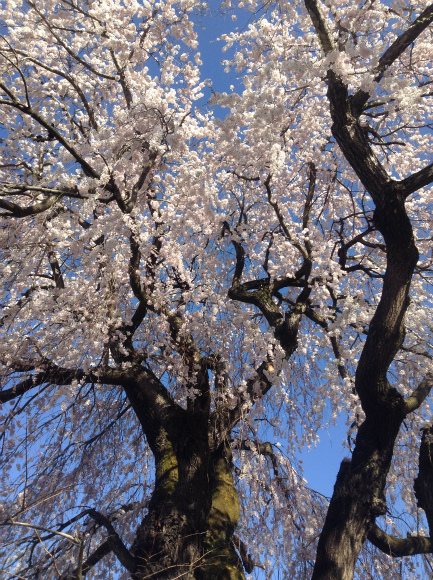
x,y
193,512
221,561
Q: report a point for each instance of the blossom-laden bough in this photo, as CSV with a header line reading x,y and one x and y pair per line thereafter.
x,y
186,300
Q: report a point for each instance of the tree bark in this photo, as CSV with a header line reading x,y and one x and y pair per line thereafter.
x,y
193,513
194,509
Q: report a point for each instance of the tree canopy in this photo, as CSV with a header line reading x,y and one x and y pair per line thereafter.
x,y
187,298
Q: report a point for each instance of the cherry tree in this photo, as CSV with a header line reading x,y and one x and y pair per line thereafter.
x,y
186,300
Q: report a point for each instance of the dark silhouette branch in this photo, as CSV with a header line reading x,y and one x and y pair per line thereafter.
x,y
117,546
402,42
399,547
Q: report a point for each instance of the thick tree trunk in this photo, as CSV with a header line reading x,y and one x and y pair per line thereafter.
x,y
193,512
194,509
357,500
221,559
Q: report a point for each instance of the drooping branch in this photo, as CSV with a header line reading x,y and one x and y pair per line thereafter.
x,y
266,449
321,321
308,206
248,561
11,522
225,417
152,403
96,556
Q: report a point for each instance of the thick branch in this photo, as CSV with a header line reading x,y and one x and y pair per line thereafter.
x,y
416,181
55,268
57,375
346,110
402,42
20,212
423,485
153,155
286,326
398,547
319,22
419,395
352,140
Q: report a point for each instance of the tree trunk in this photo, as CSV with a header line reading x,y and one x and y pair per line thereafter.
x,y
357,500
193,512
221,559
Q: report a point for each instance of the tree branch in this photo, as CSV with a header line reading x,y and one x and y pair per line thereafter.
x,y
398,547
416,399
60,376
416,181
57,376
103,550
67,77
117,546
27,110
71,539
402,42
323,33
20,212
224,418
423,485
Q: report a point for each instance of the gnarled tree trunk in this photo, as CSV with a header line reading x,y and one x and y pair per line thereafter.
x,y
193,512
194,509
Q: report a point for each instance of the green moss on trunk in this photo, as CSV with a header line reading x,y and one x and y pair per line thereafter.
x,y
167,472
222,561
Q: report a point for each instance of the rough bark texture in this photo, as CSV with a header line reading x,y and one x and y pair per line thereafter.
x,y
359,491
192,516
194,509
